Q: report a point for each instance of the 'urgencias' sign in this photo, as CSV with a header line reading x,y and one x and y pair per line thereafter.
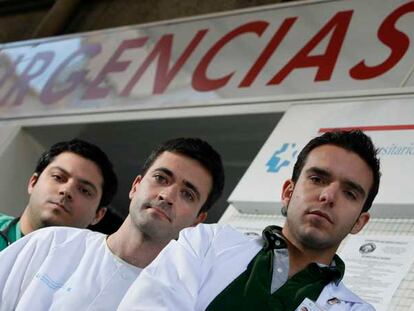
x,y
275,51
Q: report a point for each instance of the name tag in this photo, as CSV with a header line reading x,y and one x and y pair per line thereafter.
x,y
309,305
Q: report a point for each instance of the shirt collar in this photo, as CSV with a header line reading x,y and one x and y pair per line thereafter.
x,y
273,239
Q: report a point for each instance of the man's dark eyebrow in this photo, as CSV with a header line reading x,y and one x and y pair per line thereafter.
x,y
355,187
82,181
349,183
188,184
318,171
165,170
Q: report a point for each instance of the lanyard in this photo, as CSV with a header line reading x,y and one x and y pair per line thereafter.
x,y
5,231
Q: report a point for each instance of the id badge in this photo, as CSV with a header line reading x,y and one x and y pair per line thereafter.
x,y
309,305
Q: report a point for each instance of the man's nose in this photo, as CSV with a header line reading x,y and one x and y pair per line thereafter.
x,y
66,190
168,194
329,193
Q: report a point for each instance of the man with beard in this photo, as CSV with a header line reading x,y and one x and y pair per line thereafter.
x,y
74,269
213,267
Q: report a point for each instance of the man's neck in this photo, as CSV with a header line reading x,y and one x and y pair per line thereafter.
x,y
300,257
26,224
132,246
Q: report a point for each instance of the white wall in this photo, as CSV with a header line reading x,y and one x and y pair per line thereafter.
x,y
18,155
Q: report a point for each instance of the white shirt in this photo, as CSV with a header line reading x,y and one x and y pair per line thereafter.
x,y
61,268
189,273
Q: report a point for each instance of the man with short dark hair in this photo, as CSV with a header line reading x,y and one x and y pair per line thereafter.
x,y
214,267
72,184
77,269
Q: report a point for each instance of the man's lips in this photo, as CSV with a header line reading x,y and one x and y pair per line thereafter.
x,y
160,212
321,214
60,206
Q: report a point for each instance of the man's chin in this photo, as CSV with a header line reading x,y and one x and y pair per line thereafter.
x,y
51,220
316,241
156,213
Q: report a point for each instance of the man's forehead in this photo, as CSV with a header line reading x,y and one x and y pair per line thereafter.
x,y
63,157
168,159
336,159
330,152
181,166
325,151
79,166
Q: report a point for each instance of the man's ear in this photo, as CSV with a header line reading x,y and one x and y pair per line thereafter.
x,y
32,182
100,213
287,192
200,218
361,222
135,186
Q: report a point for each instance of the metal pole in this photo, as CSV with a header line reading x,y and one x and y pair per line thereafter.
x,y
56,19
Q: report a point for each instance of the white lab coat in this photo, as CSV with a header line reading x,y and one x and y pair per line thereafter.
x,y
60,268
189,273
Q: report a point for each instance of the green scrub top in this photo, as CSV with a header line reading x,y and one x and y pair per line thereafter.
x,y
12,232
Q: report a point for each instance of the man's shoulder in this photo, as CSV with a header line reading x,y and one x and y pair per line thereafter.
x,y
209,232
5,220
62,236
61,230
216,236
5,216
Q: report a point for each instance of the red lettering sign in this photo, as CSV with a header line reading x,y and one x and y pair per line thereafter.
x,y
95,91
396,40
167,57
49,94
268,52
325,63
200,80
34,69
162,51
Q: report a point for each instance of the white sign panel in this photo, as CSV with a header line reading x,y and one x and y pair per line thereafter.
x,y
301,48
376,265
390,123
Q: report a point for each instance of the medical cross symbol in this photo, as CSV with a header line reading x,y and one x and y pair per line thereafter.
x,y
282,157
